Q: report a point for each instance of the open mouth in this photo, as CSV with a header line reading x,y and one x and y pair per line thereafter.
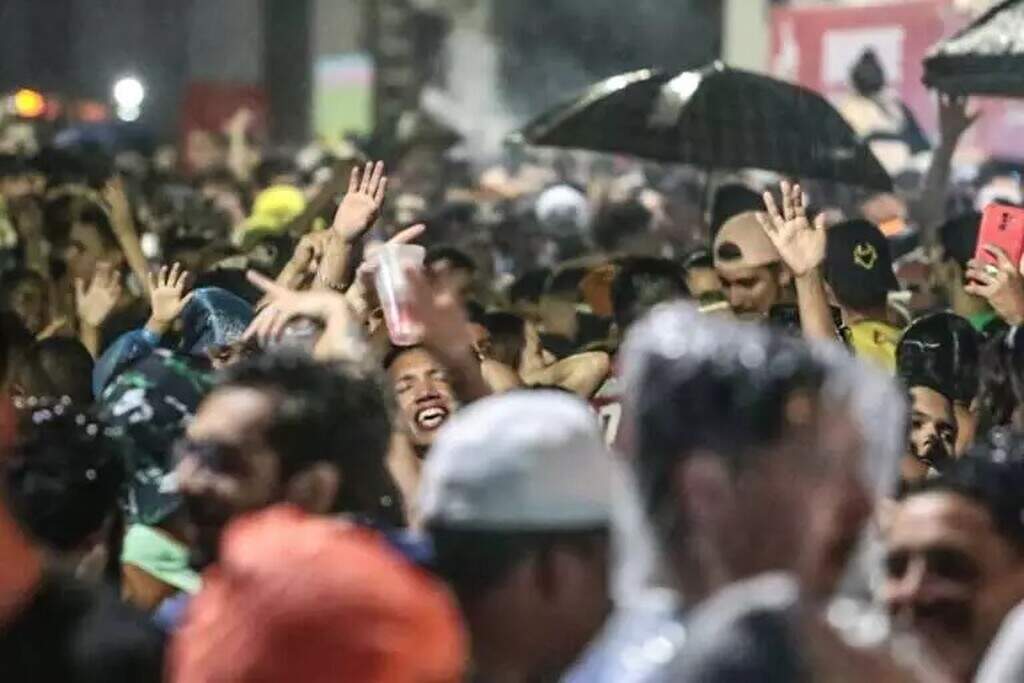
x,y
431,418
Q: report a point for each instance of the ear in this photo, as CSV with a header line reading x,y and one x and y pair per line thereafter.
x,y
315,488
704,488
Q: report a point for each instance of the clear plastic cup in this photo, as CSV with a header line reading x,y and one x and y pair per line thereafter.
x,y
394,292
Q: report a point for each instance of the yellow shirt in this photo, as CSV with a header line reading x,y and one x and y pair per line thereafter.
x,y
876,342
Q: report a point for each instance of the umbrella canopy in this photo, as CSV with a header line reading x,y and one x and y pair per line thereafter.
x,y
715,118
986,58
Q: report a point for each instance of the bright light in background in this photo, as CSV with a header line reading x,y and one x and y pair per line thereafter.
x,y
29,103
129,92
128,96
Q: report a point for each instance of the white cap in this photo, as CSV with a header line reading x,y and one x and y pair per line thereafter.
x,y
522,461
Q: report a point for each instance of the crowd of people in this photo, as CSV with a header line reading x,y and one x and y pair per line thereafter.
x,y
635,441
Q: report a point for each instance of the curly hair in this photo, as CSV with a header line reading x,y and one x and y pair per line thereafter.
x,y
336,413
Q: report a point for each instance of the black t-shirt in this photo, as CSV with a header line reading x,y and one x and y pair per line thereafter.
x,y
75,633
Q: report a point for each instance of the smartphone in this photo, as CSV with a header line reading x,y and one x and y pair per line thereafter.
x,y
1002,226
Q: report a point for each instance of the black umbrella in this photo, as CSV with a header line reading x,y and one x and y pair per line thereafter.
x,y
986,58
715,118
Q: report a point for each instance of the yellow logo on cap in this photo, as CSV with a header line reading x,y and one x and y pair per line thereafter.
x,y
865,255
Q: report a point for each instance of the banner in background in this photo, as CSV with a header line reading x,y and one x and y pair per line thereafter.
x,y
815,46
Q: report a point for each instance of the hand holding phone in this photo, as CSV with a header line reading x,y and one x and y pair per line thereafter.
x,y
1001,226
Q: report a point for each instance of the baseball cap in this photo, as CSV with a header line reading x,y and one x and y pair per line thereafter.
x,y
731,200
744,232
522,461
858,264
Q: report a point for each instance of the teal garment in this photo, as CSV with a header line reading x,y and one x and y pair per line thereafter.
x,y
981,320
152,401
160,556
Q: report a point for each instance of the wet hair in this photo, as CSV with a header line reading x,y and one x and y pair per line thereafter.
x,y
995,486
458,259
618,222
529,286
722,389
63,476
941,351
68,366
508,337
474,563
642,283
328,412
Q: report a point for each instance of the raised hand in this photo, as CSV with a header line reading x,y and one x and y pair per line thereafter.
x,y
116,200
362,294
954,119
800,243
362,203
305,259
167,297
342,336
1002,284
96,302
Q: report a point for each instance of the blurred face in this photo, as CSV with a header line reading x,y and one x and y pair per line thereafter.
x,y
946,575
540,618
800,507
226,467
30,302
425,396
702,281
933,432
840,504
85,249
752,291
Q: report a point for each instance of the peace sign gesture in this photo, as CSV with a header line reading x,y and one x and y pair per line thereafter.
x,y
800,243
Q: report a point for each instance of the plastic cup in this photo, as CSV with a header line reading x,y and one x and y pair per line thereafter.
x,y
394,291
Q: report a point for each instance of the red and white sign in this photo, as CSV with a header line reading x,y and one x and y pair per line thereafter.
x,y
815,46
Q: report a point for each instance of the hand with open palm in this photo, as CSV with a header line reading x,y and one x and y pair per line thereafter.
x,y
167,297
799,241
361,206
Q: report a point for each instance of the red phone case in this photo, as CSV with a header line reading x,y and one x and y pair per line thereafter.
x,y
1002,226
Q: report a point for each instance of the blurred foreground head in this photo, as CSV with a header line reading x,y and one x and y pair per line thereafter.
x,y
753,447
284,428
298,598
516,494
